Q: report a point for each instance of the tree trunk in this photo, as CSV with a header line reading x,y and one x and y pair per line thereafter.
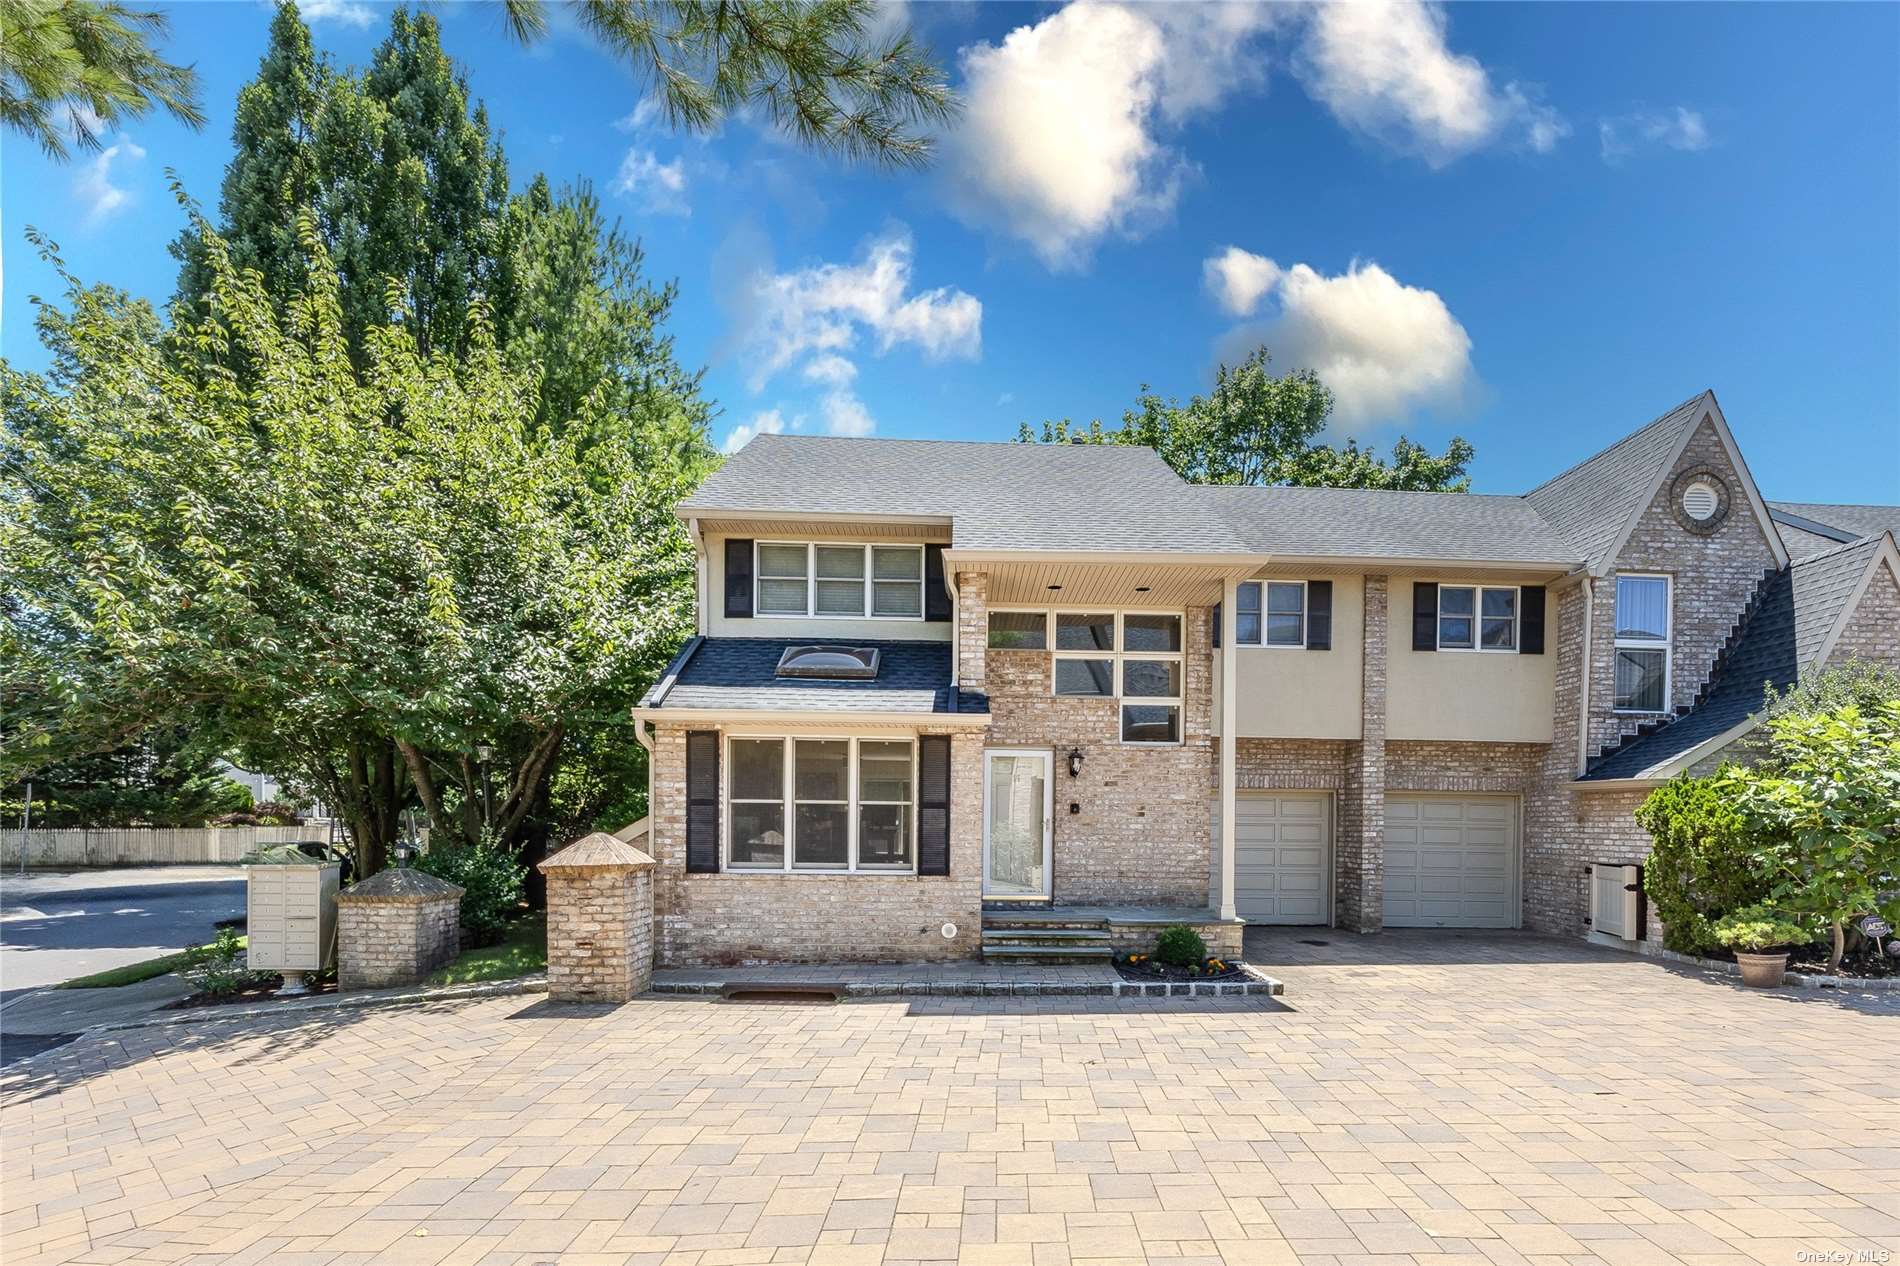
x,y
1839,949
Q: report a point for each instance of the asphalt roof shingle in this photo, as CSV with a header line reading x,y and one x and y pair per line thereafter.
x,y
1801,604
1589,504
1369,522
740,674
1067,497
1846,522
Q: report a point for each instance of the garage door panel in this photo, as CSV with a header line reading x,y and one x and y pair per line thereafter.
x,y
1282,858
1450,861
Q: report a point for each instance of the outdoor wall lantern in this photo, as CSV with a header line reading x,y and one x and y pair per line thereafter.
x,y
1075,762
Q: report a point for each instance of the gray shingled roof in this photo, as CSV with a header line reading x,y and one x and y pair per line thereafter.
x,y
1081,497
1798,519
1784,636
740,674
1361,522
1590,503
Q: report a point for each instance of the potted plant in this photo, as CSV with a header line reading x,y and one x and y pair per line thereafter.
x,y
1753,931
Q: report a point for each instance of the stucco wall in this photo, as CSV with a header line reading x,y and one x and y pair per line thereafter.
x,y
788,626
1291,692
1465,696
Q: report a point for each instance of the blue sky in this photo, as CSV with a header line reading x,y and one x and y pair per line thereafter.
x,y
1537,226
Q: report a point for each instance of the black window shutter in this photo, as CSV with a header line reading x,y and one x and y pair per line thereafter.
x,y
738,579
1217,607
1319,615
1530,620
933,804
936,598
702,801
1424,616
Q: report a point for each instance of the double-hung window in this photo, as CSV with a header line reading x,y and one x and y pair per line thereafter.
x,y
1134,656
1477,618
1642,644
878,582
852,804
1270,613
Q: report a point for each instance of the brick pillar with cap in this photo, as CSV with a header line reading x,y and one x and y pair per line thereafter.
x,y
600,921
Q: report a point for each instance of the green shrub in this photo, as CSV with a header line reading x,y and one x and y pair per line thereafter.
x,y
1180,946
1702,865
220,972
490,879
1758,929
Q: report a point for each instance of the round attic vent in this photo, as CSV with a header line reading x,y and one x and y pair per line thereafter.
x,y
1700,501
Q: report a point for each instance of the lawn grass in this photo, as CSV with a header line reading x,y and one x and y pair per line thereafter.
x,y
522,950
132,973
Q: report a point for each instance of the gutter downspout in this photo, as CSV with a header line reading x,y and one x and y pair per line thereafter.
x,y
1583,706
956,628
646,741
699,576
1230,724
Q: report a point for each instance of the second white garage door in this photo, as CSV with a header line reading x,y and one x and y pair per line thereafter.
x,y
1282,859
1450,862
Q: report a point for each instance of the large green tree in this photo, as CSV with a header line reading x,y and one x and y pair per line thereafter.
x,y
165,778
1257,427
821,71
71,68
360,574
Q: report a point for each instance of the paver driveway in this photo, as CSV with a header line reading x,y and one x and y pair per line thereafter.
x,y
1415,1097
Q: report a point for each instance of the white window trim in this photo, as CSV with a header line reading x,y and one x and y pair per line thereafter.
x,y
1048,629
869,581
1477,646
1116,657
1306,616
789,789
1667,645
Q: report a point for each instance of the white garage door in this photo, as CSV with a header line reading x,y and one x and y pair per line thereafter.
x,y
1450,862
1282,859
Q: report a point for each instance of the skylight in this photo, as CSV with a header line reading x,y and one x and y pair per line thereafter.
x,y
834,663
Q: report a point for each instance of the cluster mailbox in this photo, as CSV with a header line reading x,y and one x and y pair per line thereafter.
x,y
292,918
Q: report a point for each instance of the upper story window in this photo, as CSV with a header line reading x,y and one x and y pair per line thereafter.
x,y
876,582
1133,656
1282,622
1477,618
1642,644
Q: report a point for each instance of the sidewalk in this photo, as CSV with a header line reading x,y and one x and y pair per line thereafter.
x,y
963,978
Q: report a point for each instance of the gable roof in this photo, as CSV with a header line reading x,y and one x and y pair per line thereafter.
x,y
1369,522
1790,630
1590,503
1813,528
1106,498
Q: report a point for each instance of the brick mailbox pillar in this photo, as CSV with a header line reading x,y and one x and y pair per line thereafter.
x,y
600,921
395,928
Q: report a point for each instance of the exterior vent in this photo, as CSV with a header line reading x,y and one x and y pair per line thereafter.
x,y
1700,500
833,663
1616,900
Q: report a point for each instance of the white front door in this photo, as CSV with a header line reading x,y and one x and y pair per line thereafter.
x,y
1450,861
1017,786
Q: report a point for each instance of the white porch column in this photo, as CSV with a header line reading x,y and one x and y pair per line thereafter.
x,y
1229,722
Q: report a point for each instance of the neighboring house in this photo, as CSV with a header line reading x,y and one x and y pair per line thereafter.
x,y
1059,674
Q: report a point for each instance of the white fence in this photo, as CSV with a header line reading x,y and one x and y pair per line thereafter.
x,y
149,846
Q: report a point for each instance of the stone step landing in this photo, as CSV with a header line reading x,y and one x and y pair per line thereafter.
x,y
1044,936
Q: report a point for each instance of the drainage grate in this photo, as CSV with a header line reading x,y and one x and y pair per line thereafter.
x,y
792,995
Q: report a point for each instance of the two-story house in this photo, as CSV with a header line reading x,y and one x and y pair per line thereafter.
x,y
934,678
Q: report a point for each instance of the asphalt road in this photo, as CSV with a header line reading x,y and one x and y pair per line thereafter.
x,y
57,925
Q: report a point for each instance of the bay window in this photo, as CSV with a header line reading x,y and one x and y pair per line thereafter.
x,y
852,804
875,582
1642,643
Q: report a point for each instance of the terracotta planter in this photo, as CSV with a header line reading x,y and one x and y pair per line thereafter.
x,y
1763,971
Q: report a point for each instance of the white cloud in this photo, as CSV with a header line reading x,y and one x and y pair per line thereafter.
x,y
1384,348
823,308
830,368
93,186
1679,129
1383,68
659,188
1058,144
1008,397
1239,279
845,414
770,422
642,115
343,12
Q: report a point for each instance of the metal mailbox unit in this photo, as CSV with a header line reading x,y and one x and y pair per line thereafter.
x,y
292,918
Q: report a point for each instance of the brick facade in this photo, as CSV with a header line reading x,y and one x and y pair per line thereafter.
x,y
749,917
600,921
1873,629
1359,848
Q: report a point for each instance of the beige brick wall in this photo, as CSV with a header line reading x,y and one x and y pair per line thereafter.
x,y
600,933
1713,578
1551,886
1416,765
1142,830
1290,764
385,943
1359,847
973,628
1873,630
736,918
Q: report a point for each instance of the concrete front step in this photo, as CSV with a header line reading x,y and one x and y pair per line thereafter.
x,y
1039,935
1077,952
